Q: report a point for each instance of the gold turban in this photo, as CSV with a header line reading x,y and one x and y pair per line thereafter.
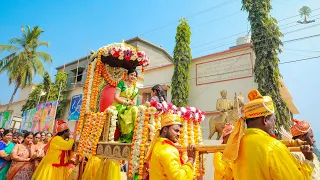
x,y
167,120
259,106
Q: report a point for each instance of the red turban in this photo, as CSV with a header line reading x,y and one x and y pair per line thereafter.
x,y
300,127
61,126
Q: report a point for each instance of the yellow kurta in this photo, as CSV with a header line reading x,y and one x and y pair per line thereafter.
x,y
165,163
262,157
222,169
53,166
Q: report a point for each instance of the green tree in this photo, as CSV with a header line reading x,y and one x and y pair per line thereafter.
x,y
26,61
35,97
266,44
60,85
181,60
305,12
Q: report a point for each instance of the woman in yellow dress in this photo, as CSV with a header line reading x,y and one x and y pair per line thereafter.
x,y
54,165
125,100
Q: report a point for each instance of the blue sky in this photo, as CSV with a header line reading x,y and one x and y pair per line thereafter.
x,y
72,27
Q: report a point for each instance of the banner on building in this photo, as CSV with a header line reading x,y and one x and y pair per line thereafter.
x,y
27,119
41,118
75,107
5,119
48,116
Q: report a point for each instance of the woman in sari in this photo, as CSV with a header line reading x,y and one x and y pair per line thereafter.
x,y
125,101
54,164
6,147
38,148
21,167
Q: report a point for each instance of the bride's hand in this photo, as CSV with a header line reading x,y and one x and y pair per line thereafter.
x,y
132,103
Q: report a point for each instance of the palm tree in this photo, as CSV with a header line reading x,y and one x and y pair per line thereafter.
x,y
25,61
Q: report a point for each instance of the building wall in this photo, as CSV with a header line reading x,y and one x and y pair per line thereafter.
x,y
157,57
231,70
24,93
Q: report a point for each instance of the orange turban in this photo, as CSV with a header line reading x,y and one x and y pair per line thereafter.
x,y
61,126
227,129
300,127
259,106
167,120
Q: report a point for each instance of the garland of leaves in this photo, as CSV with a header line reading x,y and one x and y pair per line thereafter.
x,y
181,60
266,44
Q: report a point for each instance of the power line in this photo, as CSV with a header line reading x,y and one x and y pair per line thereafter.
x,y
246,31
299,60
291,40
301,50
189,17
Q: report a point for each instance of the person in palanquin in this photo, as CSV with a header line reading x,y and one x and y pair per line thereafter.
x,y
6,147
255,153
222,169
22,155
224,105
158,94
125,101
303,131
54,165
165,160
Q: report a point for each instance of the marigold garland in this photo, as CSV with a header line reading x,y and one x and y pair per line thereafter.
x,y
109,79
143,145
83,107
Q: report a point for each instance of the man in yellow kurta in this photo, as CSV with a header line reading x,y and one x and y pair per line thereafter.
x,y
165,160
222,169
54,165
303,131
255,154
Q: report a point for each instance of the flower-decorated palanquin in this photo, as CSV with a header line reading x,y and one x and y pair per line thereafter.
x,y
98,121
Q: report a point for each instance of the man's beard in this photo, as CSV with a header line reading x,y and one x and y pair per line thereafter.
x,y
272,131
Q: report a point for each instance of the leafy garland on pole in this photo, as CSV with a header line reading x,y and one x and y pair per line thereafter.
x,y
266,44
181,60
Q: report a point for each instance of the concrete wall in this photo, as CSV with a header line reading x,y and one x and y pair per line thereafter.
x,y
157,57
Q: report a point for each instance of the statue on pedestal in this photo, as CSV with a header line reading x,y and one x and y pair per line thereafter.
x,y
229,113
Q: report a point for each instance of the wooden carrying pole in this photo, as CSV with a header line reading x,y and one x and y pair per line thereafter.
x,y
293,145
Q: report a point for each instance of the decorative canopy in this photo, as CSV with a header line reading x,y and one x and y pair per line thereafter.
x,y
123,55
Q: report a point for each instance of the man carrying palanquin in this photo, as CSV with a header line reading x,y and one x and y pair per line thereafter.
x,y
303,131
165,159
256,154
222,168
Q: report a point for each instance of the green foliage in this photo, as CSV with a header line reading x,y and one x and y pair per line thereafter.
x,y
60,85
305,11
51,91
35,97
181,60
266,44
25,62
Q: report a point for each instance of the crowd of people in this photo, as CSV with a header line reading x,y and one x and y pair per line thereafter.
x,y
37,156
